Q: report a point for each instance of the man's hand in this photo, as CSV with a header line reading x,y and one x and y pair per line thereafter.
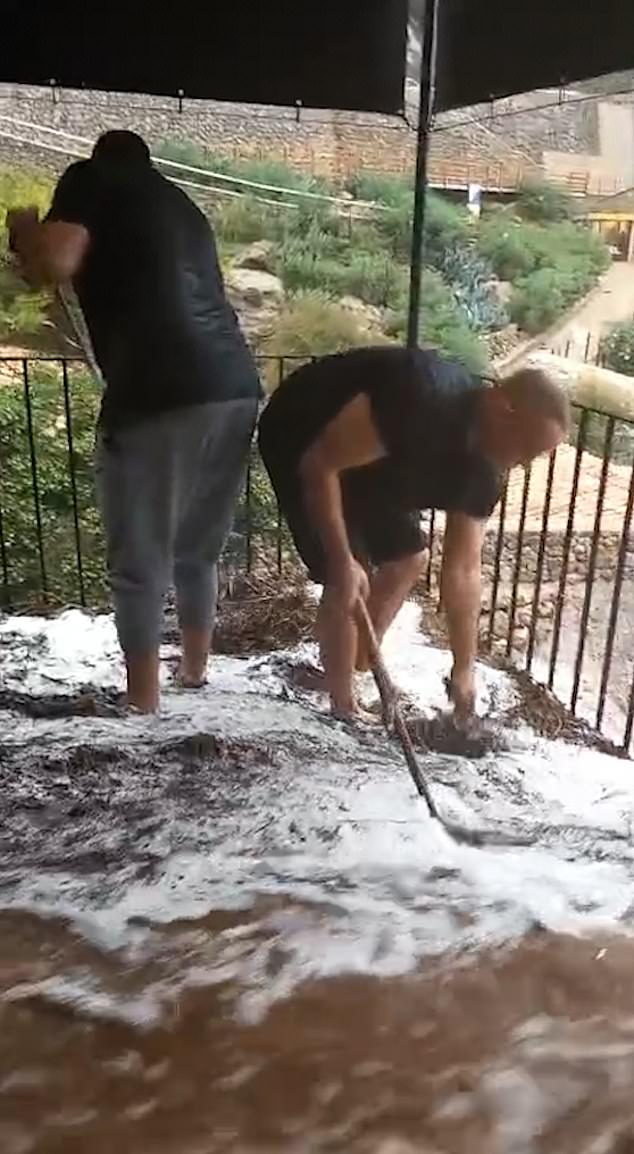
x,y
18,222
349,583
461,690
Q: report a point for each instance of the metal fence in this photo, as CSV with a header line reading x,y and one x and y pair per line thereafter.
x,y
558,557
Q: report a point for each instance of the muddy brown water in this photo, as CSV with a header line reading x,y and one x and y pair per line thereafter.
x,y
525,1049
233,931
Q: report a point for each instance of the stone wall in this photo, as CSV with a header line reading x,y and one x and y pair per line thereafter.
x,y
497,630
609,544
578,560
329,144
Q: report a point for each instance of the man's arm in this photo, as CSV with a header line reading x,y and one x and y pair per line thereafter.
x,y
460,594
50,252
350,441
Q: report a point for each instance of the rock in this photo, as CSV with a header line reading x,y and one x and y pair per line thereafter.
x,y
520,638
504,291
259,256
501,344
257,297
369,318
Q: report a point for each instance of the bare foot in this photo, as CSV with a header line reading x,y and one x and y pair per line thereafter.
x,y
308,677
357,714
189,680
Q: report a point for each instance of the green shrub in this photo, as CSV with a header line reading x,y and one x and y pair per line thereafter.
x,y
54,484
508,245
184,151
538,300
551,266
544,203
269,170
22,313
380,189
447,225
303,270
617,348
259,170
442,324
317,235
244,221
372,277
313,324
577,242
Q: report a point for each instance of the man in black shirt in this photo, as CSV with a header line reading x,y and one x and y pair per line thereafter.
x,y
356,445
181,390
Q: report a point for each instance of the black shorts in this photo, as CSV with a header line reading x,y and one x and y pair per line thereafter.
x,y
379,530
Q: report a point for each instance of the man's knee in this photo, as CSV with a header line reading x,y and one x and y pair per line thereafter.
x,y
408,569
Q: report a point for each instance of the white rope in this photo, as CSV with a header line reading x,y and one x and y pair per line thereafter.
x,y
220,176
204,188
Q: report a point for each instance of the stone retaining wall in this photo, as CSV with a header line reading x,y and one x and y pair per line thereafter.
x,y
496,631
578,561
329,144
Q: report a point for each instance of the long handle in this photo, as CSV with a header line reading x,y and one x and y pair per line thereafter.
x,y
389,701
75,318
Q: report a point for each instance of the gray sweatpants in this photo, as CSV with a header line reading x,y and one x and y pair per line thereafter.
x,y
167,488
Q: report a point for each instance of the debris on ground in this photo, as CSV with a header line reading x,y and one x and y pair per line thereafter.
x,y
440,733
537,707
88,702
260,613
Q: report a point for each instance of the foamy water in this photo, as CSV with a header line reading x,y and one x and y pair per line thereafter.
x,y
332,817
234,927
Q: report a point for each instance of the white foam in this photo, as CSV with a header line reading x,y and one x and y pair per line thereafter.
x,y
332,832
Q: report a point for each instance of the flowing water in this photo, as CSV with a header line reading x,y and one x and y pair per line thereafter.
x,y
234,928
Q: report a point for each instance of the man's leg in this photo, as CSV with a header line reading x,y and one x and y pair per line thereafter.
x,y
138,482
203,525
392,539
338,638
390,586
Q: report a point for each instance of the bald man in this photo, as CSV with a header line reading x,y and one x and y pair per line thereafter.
x,y
356,446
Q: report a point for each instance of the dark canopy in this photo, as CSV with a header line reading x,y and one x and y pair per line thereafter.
x,y
325,53
493,48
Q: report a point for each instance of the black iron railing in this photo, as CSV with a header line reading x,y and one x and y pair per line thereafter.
x,y
558,557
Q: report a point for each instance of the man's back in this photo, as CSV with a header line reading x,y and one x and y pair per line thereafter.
x,y
152,292
424,410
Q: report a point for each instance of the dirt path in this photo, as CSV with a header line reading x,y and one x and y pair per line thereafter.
x,y
612,301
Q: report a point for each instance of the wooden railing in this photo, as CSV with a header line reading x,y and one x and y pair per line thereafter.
x,y
504,177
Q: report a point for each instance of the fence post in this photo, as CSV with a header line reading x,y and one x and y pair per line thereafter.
x,y
34,479
73,483
565,560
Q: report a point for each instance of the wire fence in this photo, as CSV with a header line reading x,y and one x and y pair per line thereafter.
x,y
558,558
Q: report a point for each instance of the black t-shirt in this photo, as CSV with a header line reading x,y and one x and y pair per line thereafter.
x,y
425,411
152,292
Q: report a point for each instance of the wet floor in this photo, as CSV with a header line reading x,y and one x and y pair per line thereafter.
x,y
233,928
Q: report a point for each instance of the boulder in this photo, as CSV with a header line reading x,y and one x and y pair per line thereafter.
x,y
369,318
257,297
259,256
